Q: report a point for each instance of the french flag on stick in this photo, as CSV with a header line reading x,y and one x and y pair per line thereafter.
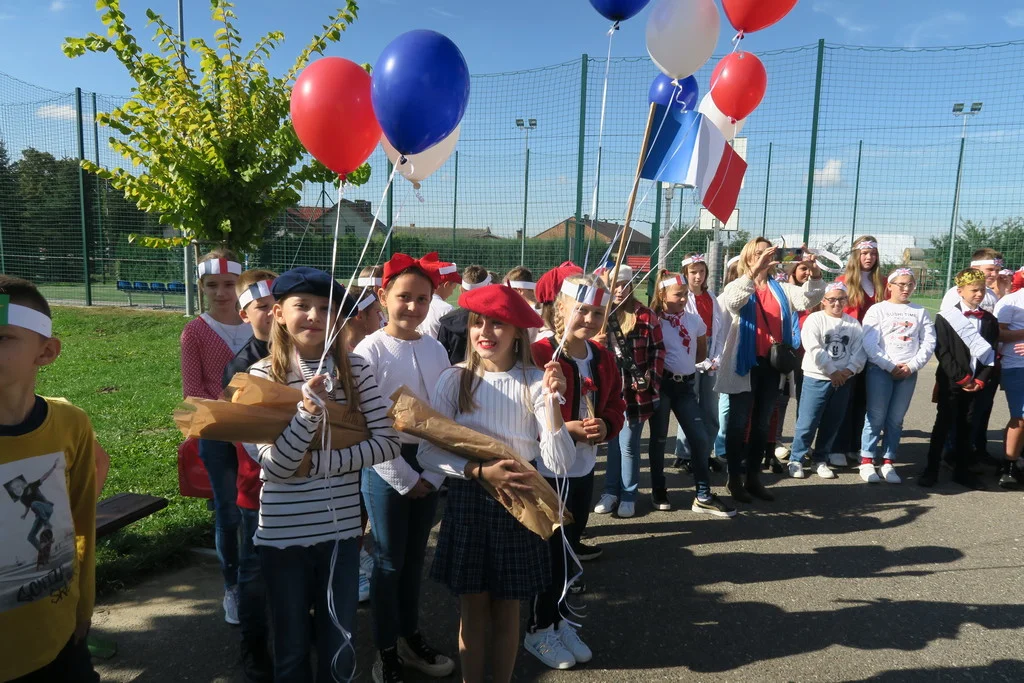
x,y
690,150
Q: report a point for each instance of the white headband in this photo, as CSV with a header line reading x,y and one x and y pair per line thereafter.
x,y
833,286
255,291
865,245
1006,272
467,286
447,270
733,260
521,284
696,258
900,272
585,294
366,302
219,266
673,281
987,262
24,317
370,282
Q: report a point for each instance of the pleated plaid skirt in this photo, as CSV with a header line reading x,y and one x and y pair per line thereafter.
x,y
482,548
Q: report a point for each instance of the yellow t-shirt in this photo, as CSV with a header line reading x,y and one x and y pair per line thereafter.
x,y
47,537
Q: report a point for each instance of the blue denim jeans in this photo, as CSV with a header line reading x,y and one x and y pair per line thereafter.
x,y
622,476
723,423
252,592
221,461
401,527
297,579
822,408
680,398
888,402
707,399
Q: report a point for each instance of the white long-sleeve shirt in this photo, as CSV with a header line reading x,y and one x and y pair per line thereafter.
x,y
508,410
831,344
416,364
325,505
431,324
898,333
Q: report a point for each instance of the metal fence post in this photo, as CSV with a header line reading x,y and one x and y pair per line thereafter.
x,y
81,196
655,236
767,182
455,203
584,60
956,212
814,140
391,212
856,194
99,191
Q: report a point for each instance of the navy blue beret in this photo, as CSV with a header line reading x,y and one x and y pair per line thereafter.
x,y
306,280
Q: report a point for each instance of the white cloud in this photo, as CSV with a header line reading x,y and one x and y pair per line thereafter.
x,y
64,112
829,175
1015,18
58,5
841,15
936,29
444,13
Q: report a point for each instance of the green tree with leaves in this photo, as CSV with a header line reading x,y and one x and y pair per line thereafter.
x,y
212,150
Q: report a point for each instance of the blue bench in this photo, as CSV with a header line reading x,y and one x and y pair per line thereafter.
x,y
128,287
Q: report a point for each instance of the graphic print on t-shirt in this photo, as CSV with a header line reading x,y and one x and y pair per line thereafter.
x,y
37,538
836,345
902,334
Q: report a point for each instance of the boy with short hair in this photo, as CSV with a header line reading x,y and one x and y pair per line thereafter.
x,y
520,279
453,326
48,537
966,336
439,307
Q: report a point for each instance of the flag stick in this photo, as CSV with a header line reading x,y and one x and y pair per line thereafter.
x,y
624,238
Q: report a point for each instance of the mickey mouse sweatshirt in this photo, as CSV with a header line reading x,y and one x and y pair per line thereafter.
x,y
831,344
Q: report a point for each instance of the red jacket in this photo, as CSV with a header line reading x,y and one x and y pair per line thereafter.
x,y
609,405
248,481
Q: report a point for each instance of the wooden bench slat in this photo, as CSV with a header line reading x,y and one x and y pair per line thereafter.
x,y
121,509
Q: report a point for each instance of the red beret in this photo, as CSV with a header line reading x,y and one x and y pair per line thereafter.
x,y
550,282
502,303
400,262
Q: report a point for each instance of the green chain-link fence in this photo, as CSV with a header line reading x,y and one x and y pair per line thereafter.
x,y
848,141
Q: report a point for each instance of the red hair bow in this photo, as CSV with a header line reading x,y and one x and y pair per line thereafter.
x,y
400,262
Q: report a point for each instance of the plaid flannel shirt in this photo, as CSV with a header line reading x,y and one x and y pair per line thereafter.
x,y
645,344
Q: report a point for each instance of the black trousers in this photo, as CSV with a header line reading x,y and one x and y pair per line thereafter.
x,y
753,408
73,664
956,411
577,499
850,431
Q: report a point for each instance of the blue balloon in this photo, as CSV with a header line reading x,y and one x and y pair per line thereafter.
x,y
420,90
683,97
619,10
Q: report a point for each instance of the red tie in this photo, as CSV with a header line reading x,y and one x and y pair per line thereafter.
x,y
973,314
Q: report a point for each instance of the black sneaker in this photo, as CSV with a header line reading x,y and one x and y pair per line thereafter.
x,y
587,552
256,664
715,463
388,667
928,478
969,480
579,587
415,653
1007,480
659,499
712,506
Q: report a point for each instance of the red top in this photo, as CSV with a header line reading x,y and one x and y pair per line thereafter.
x,y
773,313
705,309
868,301
247,482
204,355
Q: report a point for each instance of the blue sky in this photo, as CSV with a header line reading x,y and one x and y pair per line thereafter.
x,y
897,103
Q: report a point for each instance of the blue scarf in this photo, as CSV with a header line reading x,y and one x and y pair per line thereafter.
x,y
746,352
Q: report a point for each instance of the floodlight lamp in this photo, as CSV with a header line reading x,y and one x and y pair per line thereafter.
x,y
975,107
520,123
958,107
533,122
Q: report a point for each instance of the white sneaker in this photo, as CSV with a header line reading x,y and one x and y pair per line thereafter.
x,y
796,470
627,508
868,474
825,472
546,646
364,587
889,474
606,504
573,643
782,453
837,460
231,605
365,562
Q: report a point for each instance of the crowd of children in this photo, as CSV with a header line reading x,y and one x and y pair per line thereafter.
x,y
553,368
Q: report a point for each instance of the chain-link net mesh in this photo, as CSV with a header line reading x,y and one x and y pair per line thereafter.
x,y
887,162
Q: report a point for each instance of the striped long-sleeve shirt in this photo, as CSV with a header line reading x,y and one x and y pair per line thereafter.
x,y
303,511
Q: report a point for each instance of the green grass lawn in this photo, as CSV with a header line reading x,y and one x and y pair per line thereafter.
x,y
122,367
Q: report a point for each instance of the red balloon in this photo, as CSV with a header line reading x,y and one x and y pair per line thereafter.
x,y
753,15
333,115
738,84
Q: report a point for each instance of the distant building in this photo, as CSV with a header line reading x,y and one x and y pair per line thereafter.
x,y
355,219
601,232
413,230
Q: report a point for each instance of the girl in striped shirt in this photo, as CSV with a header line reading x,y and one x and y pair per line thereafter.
x,y
309,523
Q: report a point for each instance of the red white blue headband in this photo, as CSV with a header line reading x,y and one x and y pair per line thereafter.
x,y
866,245
255,291
219,266
835,286
987,262
1006,272
370,282
675,280
900,272
521,284
467,286
585,294
24,317
690,260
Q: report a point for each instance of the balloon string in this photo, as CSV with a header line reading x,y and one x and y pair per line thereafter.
x,y
651,270
331,318
600,144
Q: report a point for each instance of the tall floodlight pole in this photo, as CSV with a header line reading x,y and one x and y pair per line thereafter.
x,y
526,125
965,114
190,298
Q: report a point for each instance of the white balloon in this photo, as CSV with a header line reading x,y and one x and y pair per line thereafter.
x,y
723,122
419,167
681,35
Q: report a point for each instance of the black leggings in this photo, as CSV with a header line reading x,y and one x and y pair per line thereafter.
x,y
753,408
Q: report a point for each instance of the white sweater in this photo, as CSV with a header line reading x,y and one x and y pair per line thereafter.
x,y
431,324
898,333
416,364
831,344
325,505
503,413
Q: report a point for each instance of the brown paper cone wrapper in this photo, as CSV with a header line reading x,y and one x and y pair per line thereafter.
x,y
538,510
